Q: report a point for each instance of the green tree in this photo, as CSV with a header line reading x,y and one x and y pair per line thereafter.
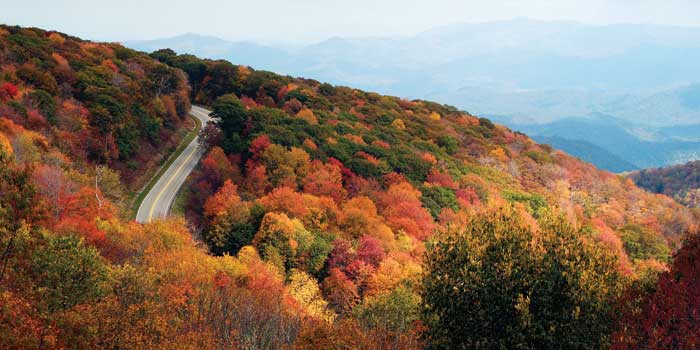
x,y
394,311
45,103
232,119
435,198
167,56
493,284
449,143
642,243
196,71
68,272
223,79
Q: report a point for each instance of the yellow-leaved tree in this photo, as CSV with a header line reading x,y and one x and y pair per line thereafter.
x,y
305,291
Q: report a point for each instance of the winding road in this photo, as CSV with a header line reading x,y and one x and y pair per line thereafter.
x,y
160,198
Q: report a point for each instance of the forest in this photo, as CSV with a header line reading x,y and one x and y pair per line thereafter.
x,y
680,182
321,217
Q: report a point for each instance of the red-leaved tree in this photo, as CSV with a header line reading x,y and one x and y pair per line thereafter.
x,y
667,316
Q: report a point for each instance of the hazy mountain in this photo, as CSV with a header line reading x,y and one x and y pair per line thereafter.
x,y
666,107
521,53
213,47
588,152
636,147
532,72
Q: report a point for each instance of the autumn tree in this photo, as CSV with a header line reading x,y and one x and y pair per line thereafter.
x,y
369,250
340,292
402,207
8,91
665,314
495,284
326,181
392,319
230,222
341,255
68,272
54,187
19,206
231,118
217,168
305,291
343,334
286,167
277,239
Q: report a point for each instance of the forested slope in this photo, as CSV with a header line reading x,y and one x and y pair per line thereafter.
x,y
347,186
681,182
97,103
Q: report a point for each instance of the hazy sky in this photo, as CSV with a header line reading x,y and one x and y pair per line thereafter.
x,y
308,20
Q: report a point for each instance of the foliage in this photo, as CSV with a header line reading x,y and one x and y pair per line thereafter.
x,y
231,119
351,185
305,290
496,284
98,102
68,272
436,198
663,314
642,243
680,182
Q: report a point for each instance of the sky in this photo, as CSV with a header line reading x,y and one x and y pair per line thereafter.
x,y
299,21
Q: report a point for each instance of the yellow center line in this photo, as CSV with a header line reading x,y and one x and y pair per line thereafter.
x,y
150,212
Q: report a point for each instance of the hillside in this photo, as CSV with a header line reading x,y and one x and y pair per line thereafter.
x,y
374,137
97,103
305,171
318,218
680,182
641,75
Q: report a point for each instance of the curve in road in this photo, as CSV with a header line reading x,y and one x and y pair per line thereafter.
x,y
160,198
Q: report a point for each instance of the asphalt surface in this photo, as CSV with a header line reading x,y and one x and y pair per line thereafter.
x,y
160,198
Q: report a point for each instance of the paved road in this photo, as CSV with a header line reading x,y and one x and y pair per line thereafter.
x,y
159,200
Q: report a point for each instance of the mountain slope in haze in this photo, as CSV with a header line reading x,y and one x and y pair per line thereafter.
x,y
588,152
515,64
525,70
209,46
641,147
664,108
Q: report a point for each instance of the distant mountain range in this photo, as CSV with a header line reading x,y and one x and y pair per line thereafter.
x,y
542,77
614,144
588,152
